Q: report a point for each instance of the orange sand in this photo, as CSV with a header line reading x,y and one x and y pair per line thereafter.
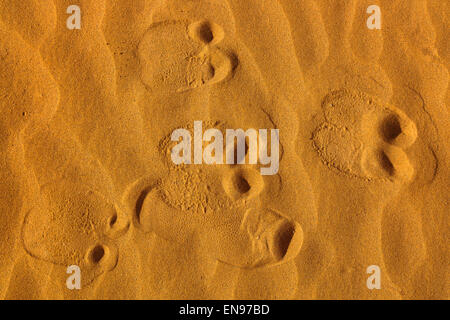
x,y
87,179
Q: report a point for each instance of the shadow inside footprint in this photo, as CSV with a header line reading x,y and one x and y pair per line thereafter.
x,y
243,183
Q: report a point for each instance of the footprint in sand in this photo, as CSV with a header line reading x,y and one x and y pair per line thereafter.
x,y
240,232
178,56
73,217
222,205
364,138
78,229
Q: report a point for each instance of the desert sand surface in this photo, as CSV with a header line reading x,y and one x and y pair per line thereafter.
x,y
88,179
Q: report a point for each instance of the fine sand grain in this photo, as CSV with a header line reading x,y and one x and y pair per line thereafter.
x,y
86,170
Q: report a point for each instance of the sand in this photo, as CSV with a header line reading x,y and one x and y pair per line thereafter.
x,y
88,179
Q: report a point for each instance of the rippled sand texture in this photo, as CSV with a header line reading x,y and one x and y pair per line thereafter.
x,y
87,179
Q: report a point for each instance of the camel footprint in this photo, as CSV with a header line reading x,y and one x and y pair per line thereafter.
x,y
73,218
78,230
224,203
362,137
178,56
